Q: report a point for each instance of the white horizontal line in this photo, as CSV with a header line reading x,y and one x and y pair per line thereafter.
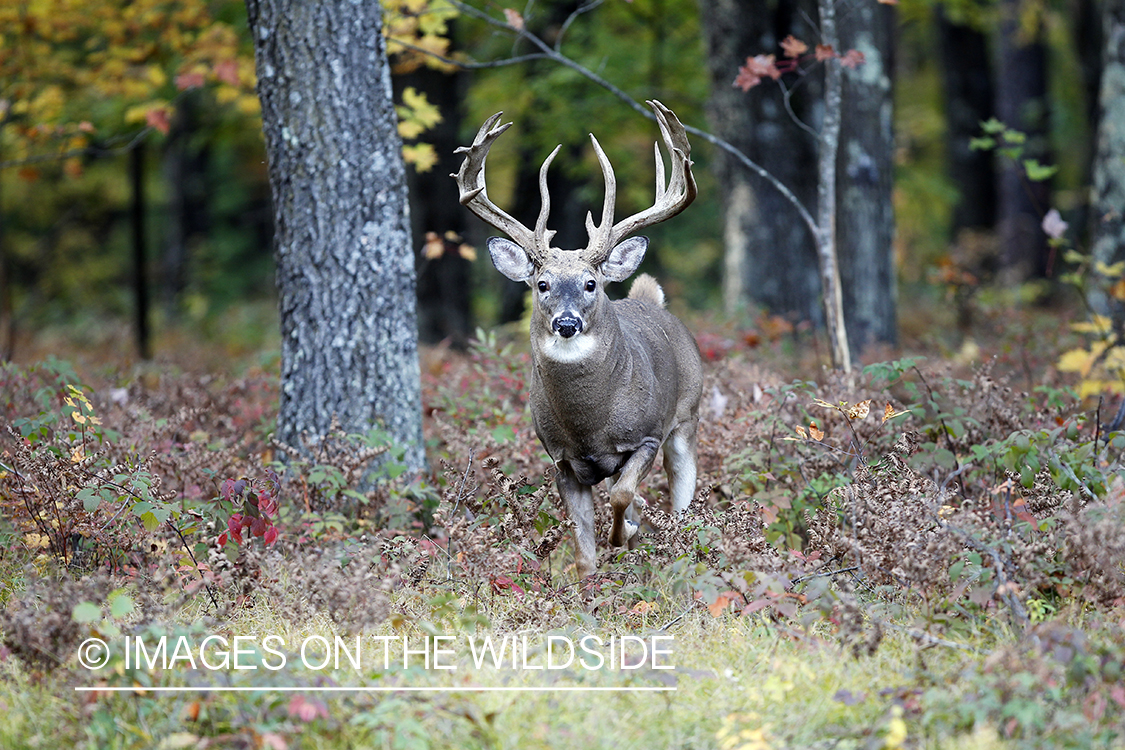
x,y
382,689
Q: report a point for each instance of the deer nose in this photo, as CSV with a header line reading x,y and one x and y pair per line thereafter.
x,y
566,325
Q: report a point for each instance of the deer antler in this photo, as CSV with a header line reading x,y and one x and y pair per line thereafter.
x,y
471,183
670,199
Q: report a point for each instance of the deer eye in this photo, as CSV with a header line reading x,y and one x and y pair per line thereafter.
x,y
544,286
591,285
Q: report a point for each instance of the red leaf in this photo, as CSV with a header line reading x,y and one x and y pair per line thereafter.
x,y
270,536
852,59
223,539
227,72
755,69
793,47
157,118
193,80
755,605
824,52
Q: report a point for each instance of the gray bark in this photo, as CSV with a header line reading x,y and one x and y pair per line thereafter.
x,y
770,256
826,195
864,177
1108,225
345,268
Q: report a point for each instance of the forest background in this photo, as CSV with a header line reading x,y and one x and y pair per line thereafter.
x,y
134,175
926,550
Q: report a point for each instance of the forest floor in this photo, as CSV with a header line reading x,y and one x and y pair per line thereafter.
x,y
928,552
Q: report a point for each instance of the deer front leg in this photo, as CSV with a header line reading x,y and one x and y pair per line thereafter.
x,y
625,487
579,500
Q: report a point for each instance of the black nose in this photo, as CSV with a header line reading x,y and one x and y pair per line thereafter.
x,y
566,325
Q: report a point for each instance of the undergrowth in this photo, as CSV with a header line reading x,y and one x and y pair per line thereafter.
x,y
906,504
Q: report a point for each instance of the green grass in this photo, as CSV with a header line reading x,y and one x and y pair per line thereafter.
x,y
739,682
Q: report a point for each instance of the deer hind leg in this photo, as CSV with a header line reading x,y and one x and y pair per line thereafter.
x,y
679,465
624,490
579,500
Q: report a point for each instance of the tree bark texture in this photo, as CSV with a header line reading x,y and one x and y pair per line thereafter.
x,y
770,256
865,222
826,245
1107,228
1021,103
345,266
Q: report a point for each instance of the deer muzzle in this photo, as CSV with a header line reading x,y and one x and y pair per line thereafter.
x,y
566,325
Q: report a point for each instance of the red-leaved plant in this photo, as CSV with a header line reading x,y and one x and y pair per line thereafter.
x,y
258,501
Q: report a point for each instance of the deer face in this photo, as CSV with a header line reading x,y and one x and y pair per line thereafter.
x,y
567,290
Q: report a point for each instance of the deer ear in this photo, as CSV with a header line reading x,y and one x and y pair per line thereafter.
x,y
510,259
624,259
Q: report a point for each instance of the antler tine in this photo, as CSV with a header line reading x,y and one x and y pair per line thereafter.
x,y
681,188
541,231
474,196
599,246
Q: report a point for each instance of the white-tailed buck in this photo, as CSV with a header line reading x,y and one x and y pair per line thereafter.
x,y
611,382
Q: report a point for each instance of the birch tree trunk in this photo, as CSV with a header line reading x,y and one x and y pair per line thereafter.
x,y
345,268
826,195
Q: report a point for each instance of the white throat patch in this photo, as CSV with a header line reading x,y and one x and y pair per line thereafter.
x,y
574,349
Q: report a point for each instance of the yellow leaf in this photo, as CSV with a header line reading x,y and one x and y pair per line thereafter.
x,y
814,432
424,112
1098,324
1076,360
890,413
157,76
421,155
466,251
860,410
1111,271
802,433
36,541
896,730
434,247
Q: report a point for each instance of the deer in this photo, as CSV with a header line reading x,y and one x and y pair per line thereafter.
x,y
612,382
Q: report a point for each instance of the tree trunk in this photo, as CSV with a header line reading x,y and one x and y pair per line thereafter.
x,y
968,93
769,256
1021,91
186,157
140,252
827,170
345,268
1108,226
864,178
